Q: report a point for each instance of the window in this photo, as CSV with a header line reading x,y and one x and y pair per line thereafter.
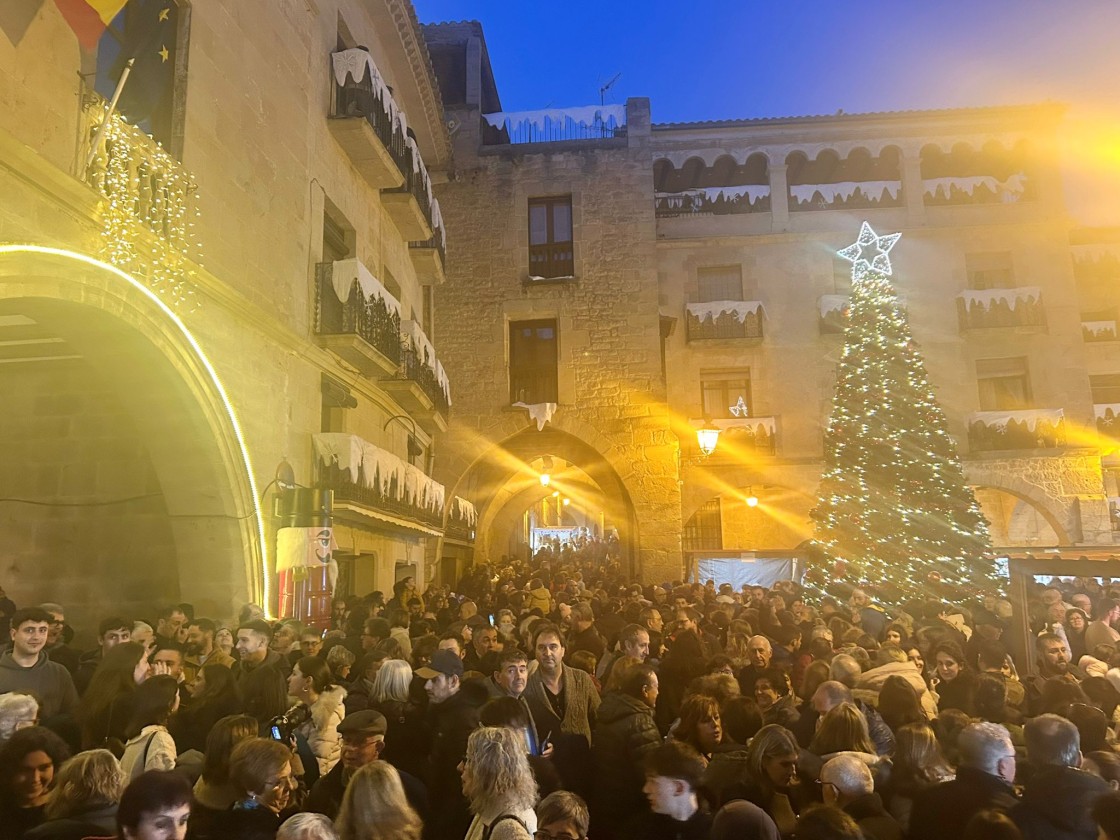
x,y
723,282
721,390
143,31
1004,384
989,270
338,235
1106,388
704,531
550,237
532,361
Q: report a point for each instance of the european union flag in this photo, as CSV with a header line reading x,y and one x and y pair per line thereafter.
x,y
145,30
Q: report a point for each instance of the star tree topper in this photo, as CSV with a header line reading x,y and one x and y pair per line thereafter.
x,y
870,252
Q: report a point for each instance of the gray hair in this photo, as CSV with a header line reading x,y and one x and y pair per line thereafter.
x,y
850,775
835,692
1051,739
983,745
307,827
844,669
14,710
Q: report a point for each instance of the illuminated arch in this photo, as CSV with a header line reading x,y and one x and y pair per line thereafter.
x,y
56,279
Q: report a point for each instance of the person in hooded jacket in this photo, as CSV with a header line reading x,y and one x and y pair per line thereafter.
x,y
1058,797
625,732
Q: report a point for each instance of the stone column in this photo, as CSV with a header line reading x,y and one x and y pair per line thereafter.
x,y
779,197
913,188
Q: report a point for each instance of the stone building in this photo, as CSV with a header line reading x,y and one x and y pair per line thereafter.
x,y
154,412
631,281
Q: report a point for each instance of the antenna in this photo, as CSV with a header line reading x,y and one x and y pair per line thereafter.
x,y
603,90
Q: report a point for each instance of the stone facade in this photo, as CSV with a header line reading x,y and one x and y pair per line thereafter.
x,y
752,213
209,400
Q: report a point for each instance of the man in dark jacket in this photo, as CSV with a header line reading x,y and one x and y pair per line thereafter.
x,y
625,732
984,777
452,716
363,741
27,669
846,782
1058,797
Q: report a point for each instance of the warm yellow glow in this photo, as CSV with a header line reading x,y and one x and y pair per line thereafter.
x,y
706,438
556,494
213,374
752,500
546,479
567,502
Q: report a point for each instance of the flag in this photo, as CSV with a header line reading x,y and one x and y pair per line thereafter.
x,y
149,32
89,18
16,17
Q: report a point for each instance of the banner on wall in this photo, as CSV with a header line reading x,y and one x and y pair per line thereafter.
x,y
753,571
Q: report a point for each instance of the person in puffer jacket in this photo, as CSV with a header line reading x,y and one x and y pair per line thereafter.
x,y
311,683
539,597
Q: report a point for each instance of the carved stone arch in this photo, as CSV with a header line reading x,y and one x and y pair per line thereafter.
x,y
1060,515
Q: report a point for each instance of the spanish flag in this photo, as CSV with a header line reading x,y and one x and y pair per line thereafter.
x,y
89,18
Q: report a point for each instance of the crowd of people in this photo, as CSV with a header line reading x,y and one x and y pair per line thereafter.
x,y
557,700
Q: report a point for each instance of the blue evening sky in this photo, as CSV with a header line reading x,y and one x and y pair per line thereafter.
x,y
722,59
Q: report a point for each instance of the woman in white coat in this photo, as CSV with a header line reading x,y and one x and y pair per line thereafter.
x,y
311,683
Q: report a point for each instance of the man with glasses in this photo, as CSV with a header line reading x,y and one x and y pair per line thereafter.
x,y
846,783
984,777
27,669
562,815
363,742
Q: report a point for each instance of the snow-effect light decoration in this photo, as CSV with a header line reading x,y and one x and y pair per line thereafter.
x,y
894,511
740,408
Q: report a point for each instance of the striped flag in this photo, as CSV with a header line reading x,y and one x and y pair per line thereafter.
x,y
89,18
16,16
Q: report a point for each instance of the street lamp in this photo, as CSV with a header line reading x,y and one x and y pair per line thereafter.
x,y
707,436
752,499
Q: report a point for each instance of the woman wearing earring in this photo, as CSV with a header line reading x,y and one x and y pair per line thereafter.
x,y
261,772
312,684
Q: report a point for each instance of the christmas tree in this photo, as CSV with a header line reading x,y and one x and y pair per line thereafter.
x,y
894,512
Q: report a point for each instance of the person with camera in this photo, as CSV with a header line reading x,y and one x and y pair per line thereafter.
x,y
311,683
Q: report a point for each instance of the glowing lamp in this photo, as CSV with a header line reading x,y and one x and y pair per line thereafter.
x,y
546,479
752,500
707,436
567,502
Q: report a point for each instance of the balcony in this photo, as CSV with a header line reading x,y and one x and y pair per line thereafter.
x,y
372,483
845,195
412,207
554,125
1092,331
982,309
1108,419
724,319
1036,428
834,311
755,434
713,201
461,520
429,258
420,384
356,318
975,189
366,122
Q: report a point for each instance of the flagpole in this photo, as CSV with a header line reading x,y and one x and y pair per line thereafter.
x,y
101,129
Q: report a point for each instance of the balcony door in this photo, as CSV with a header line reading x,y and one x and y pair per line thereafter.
x,y
533,357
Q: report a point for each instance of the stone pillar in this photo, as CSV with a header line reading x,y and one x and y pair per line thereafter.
x,y
913,188
637,122
779,197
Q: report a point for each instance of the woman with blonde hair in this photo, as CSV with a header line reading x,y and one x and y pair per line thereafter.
x,y
85,796
843,729
499,786
374,807
918,764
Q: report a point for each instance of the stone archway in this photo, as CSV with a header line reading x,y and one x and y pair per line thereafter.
x,y
151,413
500,480
1009,514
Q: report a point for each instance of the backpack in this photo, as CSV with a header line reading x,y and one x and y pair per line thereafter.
x,y
488,830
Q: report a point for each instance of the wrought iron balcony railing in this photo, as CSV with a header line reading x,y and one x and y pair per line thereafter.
x,y
1035,428
351,301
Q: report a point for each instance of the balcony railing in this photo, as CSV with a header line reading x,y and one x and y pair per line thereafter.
x,y
418,364
713,201
758,434
591,122
724,319
1037,428
975,189
979,309
351,302
1099,331
1108,419
430,269
367,475
845,195
834,311
412,205
361,95
461,520
551,261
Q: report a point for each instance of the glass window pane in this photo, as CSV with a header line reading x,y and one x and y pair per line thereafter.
x,y
562,221
538,224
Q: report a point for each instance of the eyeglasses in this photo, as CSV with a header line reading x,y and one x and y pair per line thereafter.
x,y
544,835
822,785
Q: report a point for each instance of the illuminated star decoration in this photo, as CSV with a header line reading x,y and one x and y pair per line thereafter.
x,y
870,252
740,408
164,54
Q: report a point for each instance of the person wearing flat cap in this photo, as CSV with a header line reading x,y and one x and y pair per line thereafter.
x,y
452,716
363,740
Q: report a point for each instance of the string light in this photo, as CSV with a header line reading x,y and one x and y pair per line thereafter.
x,y
149,210
894,511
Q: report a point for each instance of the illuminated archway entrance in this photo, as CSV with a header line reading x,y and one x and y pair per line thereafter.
x,y
135,487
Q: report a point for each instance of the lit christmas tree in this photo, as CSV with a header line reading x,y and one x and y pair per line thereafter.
x,y
894,512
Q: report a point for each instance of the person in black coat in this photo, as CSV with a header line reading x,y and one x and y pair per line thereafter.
x,y
987,768
625,732
1059,796
673,773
